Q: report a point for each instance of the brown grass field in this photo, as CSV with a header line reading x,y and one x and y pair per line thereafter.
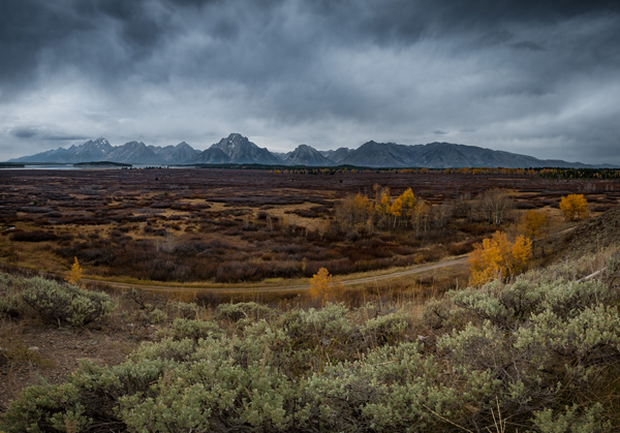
x,y
214,227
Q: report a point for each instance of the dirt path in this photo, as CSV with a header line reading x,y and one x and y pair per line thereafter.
x,y
283,287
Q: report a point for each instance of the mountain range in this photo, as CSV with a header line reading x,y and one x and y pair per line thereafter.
x,y
237,149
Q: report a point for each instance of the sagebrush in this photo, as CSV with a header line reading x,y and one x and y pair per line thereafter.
x,y
539,354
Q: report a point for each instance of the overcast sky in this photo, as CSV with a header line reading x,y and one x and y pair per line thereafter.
x,y
535,77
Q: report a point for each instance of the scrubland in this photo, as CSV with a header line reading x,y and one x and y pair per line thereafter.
x,y
536,352
231,226
539,353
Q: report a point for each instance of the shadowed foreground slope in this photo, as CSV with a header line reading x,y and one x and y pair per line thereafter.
x,y
540,354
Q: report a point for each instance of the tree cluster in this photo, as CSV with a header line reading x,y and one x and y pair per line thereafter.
x,y
498,258
575,207
405,211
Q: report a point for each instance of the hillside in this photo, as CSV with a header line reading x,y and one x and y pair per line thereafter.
x,y
598,232
447,365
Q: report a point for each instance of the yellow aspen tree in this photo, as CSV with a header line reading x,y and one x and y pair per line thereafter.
x,y
363,208
76,273
575,207
409,203
497,257
484,263
533,224
354,210
396,209
521,253
383,204
385,201
324,288
420,215
363,203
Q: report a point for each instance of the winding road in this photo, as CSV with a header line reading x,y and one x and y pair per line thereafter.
x,y
282,287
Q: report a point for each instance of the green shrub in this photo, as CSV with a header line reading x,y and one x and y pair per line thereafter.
x,y
246,311
536,356
183,310
11,306
571,420
61,303
157,316
192,329
388,329
436,314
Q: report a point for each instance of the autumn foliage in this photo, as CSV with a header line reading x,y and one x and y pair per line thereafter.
x,y
534,224
76,273
407,210
498,258
575,207
355,210
323,287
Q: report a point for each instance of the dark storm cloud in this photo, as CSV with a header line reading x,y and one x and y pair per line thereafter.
x,y
527,45
524,71
110,39
398,21
43,133
65,137
26,28
24,132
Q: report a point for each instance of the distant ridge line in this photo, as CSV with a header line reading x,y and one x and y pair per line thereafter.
x,y
237,149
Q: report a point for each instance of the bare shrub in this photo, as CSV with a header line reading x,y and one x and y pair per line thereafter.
x,y
33,236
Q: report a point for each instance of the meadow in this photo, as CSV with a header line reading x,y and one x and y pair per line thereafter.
x,y
232,226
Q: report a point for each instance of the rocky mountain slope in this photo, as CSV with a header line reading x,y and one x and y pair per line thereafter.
x,y
175,154
237,149
306,155
336,156
133,152
444,155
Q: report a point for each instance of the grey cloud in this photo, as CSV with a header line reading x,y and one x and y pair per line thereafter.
x,y
24,132
193,66
527,45
26,28
44,133
65,137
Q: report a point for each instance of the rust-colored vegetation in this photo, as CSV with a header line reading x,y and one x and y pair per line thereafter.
x,y
227,226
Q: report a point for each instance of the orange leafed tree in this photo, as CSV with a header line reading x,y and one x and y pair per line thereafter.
x,y
396,209
409,201
324,288
498,258
354,210
403,207
76,273
575,207
533,224
384,202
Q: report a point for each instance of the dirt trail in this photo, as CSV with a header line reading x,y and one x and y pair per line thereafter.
x,y
283,287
